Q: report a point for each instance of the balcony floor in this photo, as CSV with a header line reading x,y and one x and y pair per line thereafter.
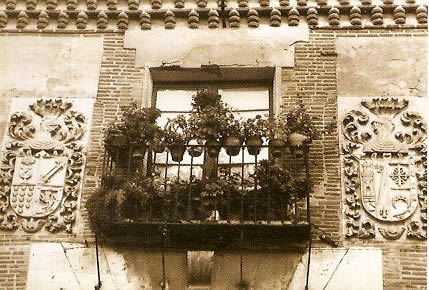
x,y
212,235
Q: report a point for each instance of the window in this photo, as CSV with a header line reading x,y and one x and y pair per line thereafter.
x,y
247,99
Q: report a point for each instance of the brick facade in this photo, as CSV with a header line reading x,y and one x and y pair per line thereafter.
x,y
314,76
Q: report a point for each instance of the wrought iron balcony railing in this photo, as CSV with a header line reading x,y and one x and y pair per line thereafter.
x,y
206,196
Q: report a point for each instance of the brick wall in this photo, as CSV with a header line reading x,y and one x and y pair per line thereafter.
x,y
120,83
314,75
13,266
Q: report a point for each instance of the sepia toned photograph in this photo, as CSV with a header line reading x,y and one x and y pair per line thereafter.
x,y
213,144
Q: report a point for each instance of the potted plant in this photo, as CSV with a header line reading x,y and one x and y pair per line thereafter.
x,y
208,119
300,126
175,137
232,135
254,130
274,189
277,132
135,127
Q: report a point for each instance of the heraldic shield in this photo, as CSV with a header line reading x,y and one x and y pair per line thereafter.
x,y
388,186
37,185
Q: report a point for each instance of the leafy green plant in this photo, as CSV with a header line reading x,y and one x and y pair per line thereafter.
x,y
255,127
137,195
300,121
209,117
176,131
102,208
136,125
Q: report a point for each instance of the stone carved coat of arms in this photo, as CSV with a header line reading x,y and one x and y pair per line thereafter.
x,y
384,170
41,168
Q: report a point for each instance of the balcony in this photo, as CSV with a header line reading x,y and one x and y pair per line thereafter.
x,y
206,197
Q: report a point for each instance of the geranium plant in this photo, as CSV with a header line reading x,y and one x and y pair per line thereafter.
x,y
300,122
137,126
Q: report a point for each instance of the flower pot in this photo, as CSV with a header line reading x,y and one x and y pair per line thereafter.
x,y
296,139
213,148
193,150
277,146
232,145
177,151
254,144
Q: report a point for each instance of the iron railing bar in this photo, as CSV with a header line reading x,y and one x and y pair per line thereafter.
x,y
190,190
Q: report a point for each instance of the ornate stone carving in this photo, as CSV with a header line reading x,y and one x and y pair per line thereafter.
x,y
193,19
322,2
145,21
82,20
112,4
355,16
252,18
399,15
344,2
384,166
51,4
243,3
71,4
102,20
377,15
334,16
293,17
10,4
40,171
214,20
3,19
284,3
200,266
275,18
312,17
31,4
22,20
169,20
391,235
133,4
43,20
422,15
301,3
179,3
156,4
264,3
63,20
366,2
234,18
122,21
202,3
91,4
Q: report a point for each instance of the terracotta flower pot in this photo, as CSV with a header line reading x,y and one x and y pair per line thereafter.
x,y
213,148
277,146
232,145
177,151
194,150
254,144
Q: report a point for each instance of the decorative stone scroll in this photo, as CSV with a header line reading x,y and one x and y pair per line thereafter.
x,y
41,167
384,170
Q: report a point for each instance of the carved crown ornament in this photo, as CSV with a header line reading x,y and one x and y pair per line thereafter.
x,y
111,15
41,167
384,170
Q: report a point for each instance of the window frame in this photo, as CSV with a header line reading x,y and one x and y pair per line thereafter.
x,y
215,85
